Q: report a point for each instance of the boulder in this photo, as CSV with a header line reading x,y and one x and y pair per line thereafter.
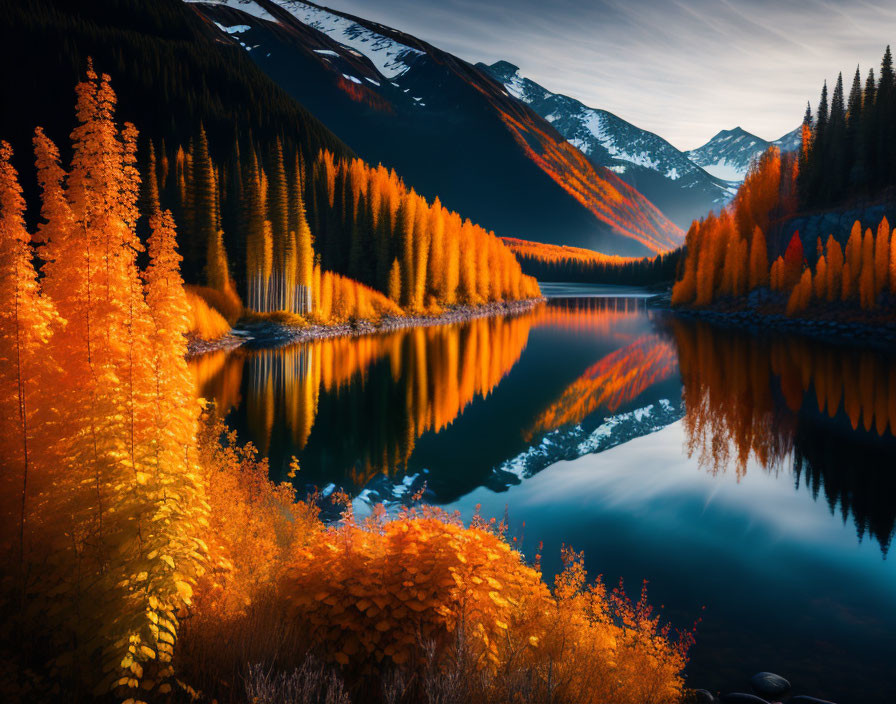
x,y
702,696
769,685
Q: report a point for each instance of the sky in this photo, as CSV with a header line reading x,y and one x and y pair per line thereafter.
x,y
684,69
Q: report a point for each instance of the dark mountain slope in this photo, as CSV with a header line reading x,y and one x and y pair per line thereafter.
x,y
169,68
449,128
678,187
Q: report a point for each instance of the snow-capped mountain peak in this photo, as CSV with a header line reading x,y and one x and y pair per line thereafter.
x,y
728,154
682,189
390,57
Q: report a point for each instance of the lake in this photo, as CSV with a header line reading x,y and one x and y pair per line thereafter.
x,y
750,479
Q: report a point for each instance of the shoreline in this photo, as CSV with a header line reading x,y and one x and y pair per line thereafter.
x,y
832,328
272,334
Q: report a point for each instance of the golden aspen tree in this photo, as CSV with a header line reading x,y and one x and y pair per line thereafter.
x,y
775,274
793,262
395,281
853,254
421,253
283,253
27,320
820,282
467,266
801,294
709,263
316,287
866,274
847,284
304,250
108,573
437,248
451,278
685,289
406,224
834,261
882,257
759,269
893,265
151,182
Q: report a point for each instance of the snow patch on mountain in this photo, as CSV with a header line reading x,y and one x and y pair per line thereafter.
x,y
729,154
391,58
235,29
250,7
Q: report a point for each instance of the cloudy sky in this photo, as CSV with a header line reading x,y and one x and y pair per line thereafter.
x,y
684,69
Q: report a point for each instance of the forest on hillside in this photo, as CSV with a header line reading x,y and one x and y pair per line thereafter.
x,y
846,152
548,262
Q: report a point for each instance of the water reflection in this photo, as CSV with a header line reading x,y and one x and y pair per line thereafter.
x,y
495,400
394,387
772,501
828,412
610,383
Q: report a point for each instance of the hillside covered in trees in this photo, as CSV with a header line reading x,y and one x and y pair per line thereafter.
x,y
548,262
849,144
269,210
846,155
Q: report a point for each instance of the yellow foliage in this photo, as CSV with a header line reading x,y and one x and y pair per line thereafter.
x,y
226,301
205,322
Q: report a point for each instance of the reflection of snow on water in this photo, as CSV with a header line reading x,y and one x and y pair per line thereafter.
x,y
570,443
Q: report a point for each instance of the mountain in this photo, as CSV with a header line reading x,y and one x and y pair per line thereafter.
x,y
670,180
729,153
448,127
170,72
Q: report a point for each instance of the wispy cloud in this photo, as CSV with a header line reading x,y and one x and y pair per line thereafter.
x,y
682,68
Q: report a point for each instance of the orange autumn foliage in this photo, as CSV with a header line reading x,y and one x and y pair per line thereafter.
x,y
142,553
206,322
716,249
395,588
226,302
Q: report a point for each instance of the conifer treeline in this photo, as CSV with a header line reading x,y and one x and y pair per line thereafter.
x,y
246,228
548,262
849,145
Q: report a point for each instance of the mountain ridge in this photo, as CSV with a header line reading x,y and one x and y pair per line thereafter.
x,y
729,153
644,159
400,101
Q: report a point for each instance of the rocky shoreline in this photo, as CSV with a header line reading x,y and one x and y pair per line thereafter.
x,y
272,334
767,688
759,319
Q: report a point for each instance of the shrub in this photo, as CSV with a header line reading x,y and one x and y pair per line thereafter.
x,y
227,302
206,322
409,608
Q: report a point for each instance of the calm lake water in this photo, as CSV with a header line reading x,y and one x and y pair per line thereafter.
x,y
751,480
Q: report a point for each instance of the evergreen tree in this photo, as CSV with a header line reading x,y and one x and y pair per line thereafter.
x,y
852,152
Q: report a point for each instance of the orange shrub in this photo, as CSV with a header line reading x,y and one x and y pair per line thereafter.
x,y
226,302
424,588
205,322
